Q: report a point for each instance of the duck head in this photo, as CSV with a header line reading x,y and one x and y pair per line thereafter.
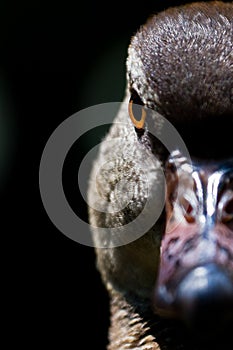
x,y
179,67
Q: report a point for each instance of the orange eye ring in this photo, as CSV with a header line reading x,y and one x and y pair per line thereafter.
x,y
137,123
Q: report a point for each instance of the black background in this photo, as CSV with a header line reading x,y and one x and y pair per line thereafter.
x,y
56,58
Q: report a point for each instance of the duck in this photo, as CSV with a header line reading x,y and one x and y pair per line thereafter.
x,y
163,233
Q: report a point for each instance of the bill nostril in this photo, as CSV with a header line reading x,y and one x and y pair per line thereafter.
x,y
205,299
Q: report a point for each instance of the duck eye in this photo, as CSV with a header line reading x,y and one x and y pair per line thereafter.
x,y
137,112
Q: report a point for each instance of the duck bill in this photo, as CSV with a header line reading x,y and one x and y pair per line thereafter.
x,y
195,277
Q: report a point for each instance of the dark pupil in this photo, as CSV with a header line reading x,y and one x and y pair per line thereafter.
x,y
137,112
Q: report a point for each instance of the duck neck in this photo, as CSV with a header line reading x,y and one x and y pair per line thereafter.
x,y
129,329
